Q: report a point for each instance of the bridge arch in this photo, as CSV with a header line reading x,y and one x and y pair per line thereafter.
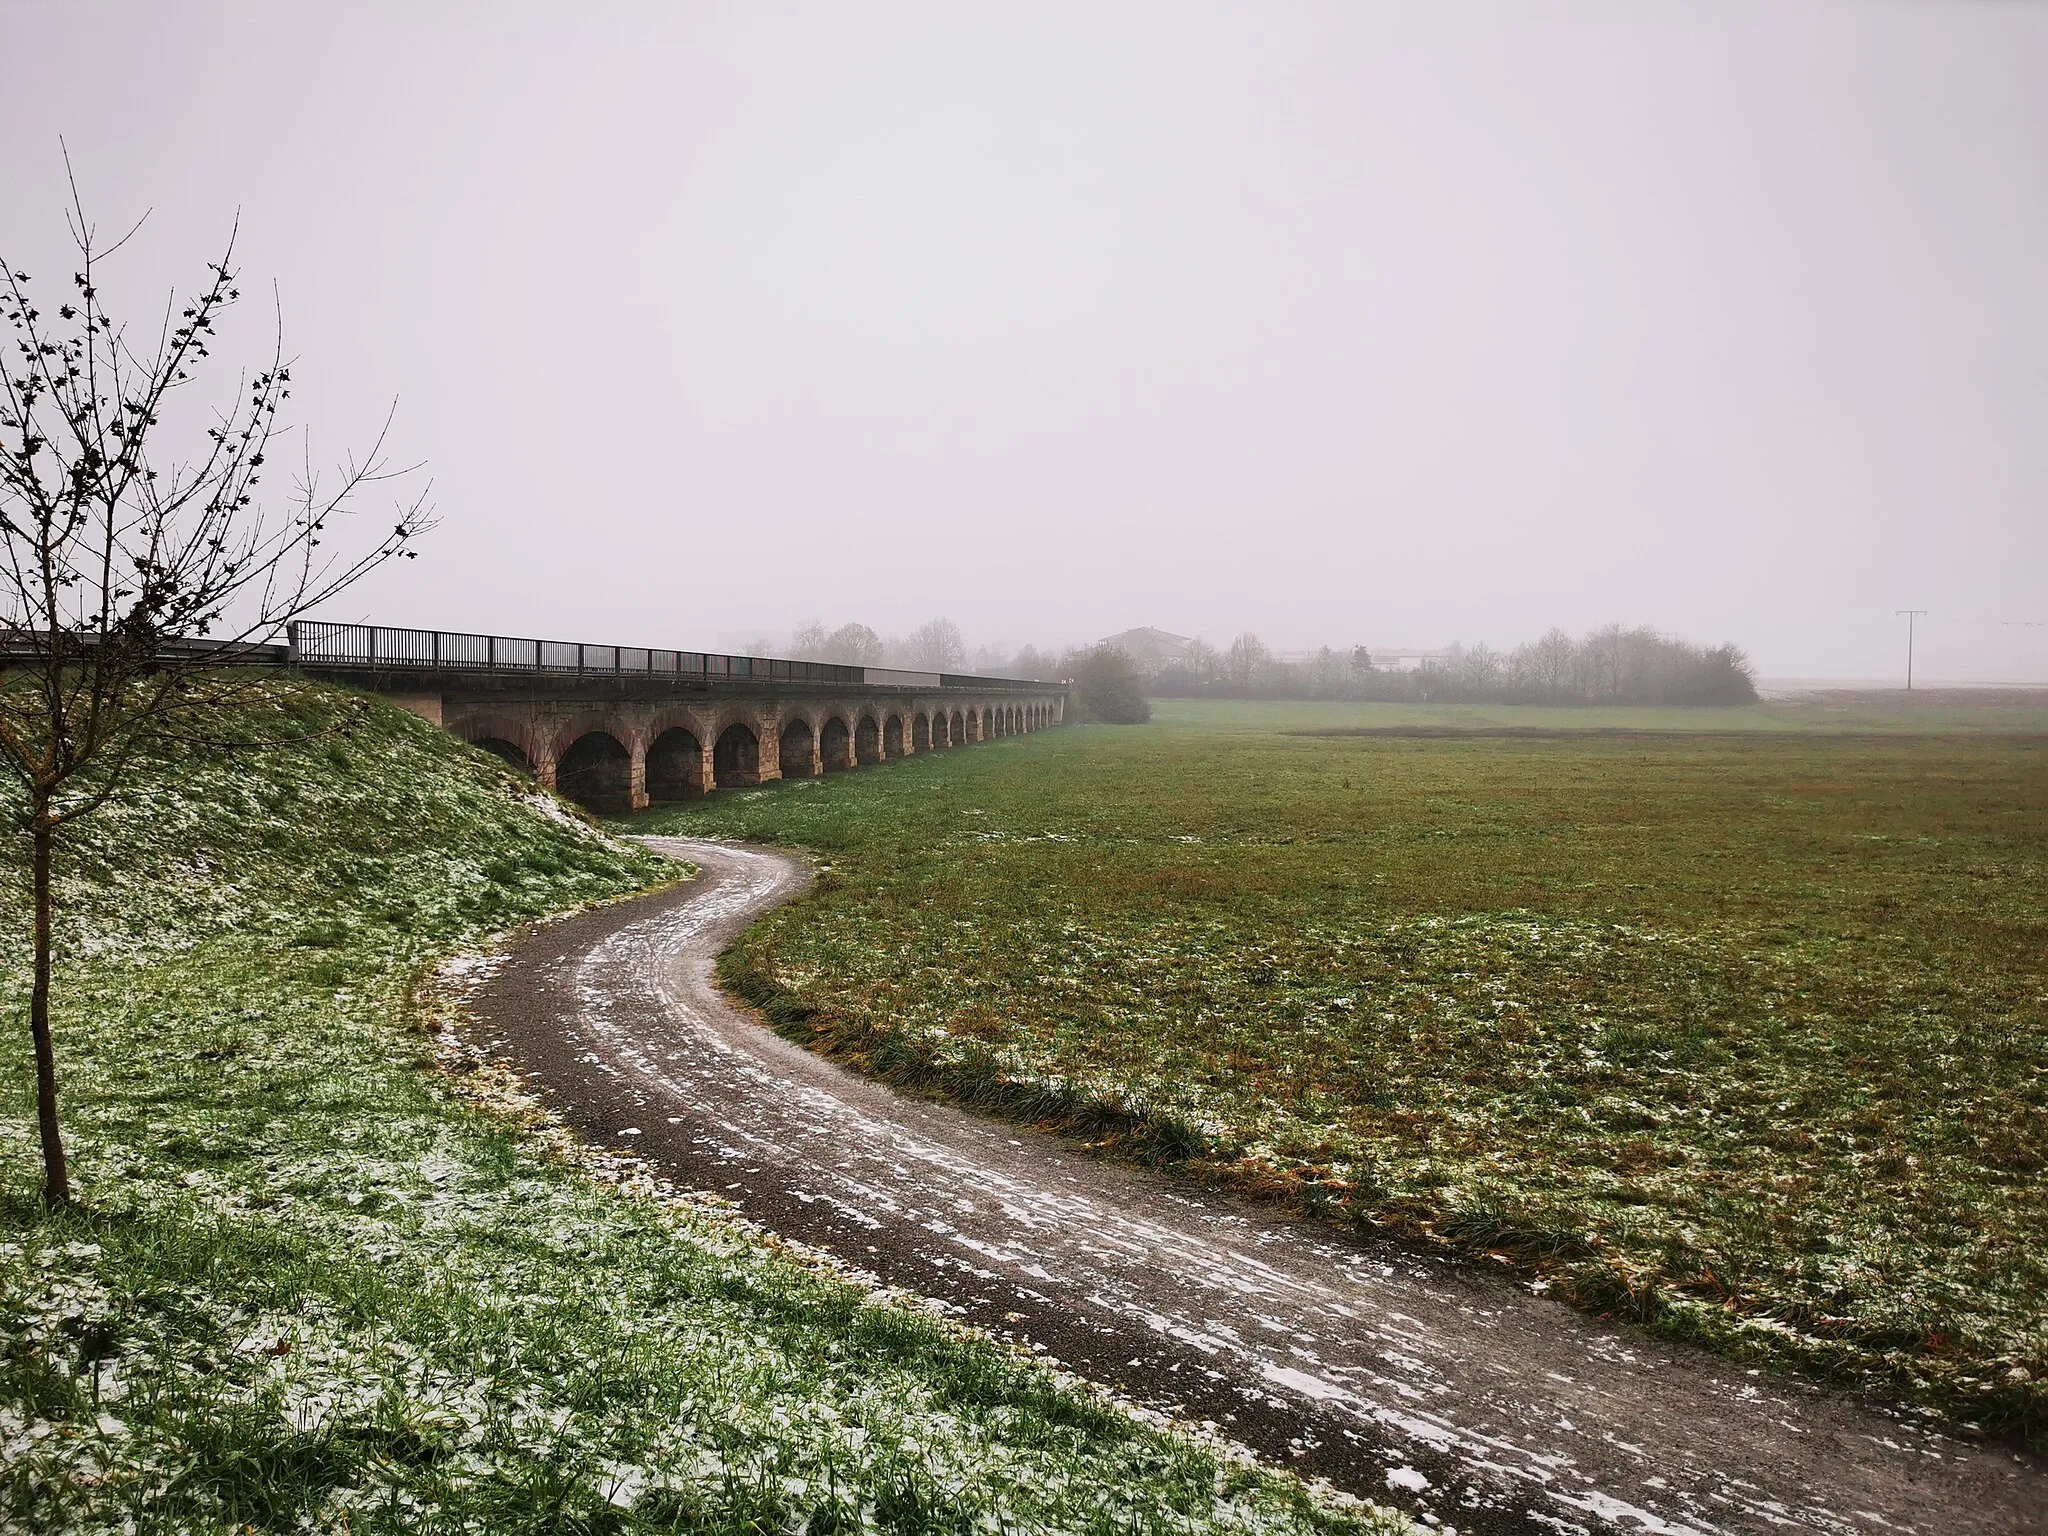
x,y
672,742
835,744
597,772
506,737
798,743
736,756
675,765
507,752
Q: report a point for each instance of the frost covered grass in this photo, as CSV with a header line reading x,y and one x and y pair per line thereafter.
x,y
313,1285
1743,1036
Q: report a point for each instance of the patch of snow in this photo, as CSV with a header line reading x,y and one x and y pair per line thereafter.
x,y
1615,1511
1300,1381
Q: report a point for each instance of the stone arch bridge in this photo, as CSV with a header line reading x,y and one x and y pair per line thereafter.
x,y
622,727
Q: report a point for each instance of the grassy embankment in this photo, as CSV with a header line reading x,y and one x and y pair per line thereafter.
x,y
1740,1033
312,1287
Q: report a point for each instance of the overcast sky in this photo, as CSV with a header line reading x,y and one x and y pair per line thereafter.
x,y
1338,322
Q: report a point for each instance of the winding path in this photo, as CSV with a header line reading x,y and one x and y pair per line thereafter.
x,y
1397,1374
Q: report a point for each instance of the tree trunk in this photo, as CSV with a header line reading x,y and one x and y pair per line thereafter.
x,y
56,1179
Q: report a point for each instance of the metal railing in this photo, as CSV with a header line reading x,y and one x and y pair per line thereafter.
x,y
376,647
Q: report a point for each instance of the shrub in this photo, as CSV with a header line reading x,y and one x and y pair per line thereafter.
x,y
1107,686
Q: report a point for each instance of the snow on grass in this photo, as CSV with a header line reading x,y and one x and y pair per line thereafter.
x,y
330,1275
1742,1037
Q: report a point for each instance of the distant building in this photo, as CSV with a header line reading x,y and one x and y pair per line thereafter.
x,y
1152,650
1396,658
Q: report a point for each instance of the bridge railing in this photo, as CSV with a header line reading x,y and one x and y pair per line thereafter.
x,y
378,647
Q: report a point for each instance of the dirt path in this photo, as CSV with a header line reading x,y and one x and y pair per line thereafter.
x,y
1396,1374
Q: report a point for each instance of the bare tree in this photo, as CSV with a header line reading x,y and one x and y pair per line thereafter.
x,y
1330,673
854,645
1544,667
1247,661
810,641
129,581
1478,669
1034,665
936,646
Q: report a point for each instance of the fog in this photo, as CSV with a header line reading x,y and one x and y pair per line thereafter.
x,y
1344,324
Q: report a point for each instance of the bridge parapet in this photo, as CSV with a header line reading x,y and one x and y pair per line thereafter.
x,y
321,646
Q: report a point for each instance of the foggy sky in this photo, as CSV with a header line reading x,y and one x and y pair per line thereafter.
x,y
1342,323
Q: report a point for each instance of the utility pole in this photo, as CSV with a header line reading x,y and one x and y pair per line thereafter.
x,y
1909,615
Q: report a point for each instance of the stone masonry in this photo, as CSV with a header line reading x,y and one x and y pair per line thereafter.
x,y
617,745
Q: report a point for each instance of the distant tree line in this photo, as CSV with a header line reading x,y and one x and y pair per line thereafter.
x,y
1107,686
935,646
1614,665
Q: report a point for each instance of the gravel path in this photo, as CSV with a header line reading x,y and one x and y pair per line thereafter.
x,y
1400,1375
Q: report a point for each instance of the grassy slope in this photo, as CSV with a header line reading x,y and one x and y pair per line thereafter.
x,y
310,1289
1739,1034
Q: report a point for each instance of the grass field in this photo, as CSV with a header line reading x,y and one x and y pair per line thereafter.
x,y
1732,1022
311,1287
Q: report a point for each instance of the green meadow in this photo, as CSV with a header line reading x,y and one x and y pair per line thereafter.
x,y
1730,1022
326,1275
